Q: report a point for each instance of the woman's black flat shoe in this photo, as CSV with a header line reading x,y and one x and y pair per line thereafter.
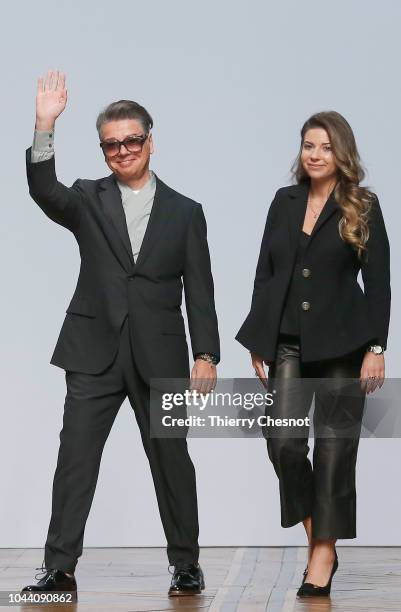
x,y
307,589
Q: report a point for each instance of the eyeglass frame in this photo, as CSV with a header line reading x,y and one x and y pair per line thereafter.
x,y
141,137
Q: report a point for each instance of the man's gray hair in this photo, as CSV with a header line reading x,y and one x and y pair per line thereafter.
x,y
124,109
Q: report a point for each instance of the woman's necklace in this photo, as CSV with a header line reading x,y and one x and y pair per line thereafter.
x,y
315,213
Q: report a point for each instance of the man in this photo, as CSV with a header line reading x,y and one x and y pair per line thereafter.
x,y
137,238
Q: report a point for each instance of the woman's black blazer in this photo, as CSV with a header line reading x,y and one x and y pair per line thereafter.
x,y
336,315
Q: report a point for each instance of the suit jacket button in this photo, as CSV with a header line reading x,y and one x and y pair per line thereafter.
x,y
306,272
305,305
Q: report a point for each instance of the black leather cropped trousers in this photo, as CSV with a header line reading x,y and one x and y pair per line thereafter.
x,y
326,491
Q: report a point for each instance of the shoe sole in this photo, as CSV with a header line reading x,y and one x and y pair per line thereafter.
x,y
186,592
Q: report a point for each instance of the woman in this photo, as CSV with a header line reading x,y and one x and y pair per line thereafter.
x,y
309,318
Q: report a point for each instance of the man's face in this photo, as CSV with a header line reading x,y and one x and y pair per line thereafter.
x,y
127,165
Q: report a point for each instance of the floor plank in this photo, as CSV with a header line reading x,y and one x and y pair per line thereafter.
x,y
237,580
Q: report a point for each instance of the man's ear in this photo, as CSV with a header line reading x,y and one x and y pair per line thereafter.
x,y
151,146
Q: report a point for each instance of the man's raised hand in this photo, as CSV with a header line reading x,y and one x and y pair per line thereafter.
x,y
51,99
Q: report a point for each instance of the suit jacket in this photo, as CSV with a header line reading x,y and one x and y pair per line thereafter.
x,y
339,316
174,253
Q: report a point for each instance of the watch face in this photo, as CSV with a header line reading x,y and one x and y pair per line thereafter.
x,y
377,350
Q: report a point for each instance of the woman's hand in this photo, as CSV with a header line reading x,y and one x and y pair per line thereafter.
x,y
257,364
372,372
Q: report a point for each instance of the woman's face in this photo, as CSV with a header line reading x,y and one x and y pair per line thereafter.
x,y
317,156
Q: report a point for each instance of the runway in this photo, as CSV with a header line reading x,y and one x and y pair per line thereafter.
x,y
237,580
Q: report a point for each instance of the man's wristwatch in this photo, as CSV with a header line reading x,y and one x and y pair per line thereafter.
x,y
376,349
212,359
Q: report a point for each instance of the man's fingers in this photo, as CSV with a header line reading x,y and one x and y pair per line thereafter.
x,y
61,81
53,80
202,385
57,80
48,80
203,376
206,384
210,385
195,382
40,85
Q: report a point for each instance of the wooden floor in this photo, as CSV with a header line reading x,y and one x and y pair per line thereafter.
x,y
237,579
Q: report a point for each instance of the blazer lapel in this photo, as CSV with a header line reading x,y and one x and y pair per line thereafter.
x,y
296,213
328,210
110,197
160,213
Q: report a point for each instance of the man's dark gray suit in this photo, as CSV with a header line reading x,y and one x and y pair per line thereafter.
x,y
122,328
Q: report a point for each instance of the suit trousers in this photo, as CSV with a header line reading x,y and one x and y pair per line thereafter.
x,y
326,491
91,405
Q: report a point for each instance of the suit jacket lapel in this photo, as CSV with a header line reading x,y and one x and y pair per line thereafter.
x,y
110,197
160,213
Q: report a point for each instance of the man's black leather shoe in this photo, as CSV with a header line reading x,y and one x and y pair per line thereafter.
x,y
187,580
54,580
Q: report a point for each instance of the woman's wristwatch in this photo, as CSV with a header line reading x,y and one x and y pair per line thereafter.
x,y
376,349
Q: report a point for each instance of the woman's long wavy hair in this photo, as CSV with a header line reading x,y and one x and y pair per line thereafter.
x,y
355,201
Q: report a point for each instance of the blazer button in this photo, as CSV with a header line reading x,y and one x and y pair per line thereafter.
x,y
305,305
306,272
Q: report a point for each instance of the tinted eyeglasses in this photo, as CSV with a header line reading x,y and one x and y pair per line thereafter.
x,y
133,144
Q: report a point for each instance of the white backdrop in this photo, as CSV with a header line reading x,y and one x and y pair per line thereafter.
x,y
229,85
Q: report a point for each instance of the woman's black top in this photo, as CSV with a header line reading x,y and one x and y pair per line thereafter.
x,y
290,317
